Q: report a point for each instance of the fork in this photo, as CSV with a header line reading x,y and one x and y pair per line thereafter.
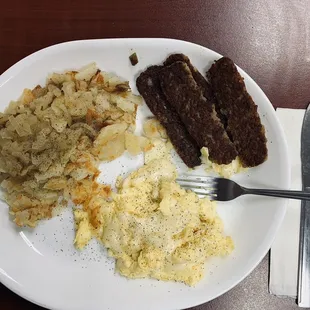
x,y
221,189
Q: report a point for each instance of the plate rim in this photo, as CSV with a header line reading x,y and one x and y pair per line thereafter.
x,y
24,62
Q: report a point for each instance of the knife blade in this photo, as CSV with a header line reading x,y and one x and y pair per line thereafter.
x,y
303,297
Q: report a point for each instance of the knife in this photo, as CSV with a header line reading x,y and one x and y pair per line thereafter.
x,y
303,297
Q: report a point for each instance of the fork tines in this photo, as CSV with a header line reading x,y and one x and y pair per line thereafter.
x,y
201,185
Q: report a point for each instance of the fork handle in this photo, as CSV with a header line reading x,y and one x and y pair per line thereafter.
x,y
302,195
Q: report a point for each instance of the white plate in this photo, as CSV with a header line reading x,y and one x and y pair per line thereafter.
x,y
42,265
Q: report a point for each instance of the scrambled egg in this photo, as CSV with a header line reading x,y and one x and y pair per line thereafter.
x,y
225,171
154,228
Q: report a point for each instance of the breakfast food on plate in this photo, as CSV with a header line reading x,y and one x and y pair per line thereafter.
x,y
243,122
219,116
152,128
197,114
198,77
53,137
51,143
154,228
225,171
201,82
149,87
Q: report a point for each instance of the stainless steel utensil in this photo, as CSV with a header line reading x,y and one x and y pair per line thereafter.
x,y
224,189
303,297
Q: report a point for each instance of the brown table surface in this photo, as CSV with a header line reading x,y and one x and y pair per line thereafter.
x,y
269,39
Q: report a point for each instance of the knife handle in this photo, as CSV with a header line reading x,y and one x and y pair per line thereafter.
x,y
304,256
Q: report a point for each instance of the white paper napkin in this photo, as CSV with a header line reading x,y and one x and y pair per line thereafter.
x,y
284,251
